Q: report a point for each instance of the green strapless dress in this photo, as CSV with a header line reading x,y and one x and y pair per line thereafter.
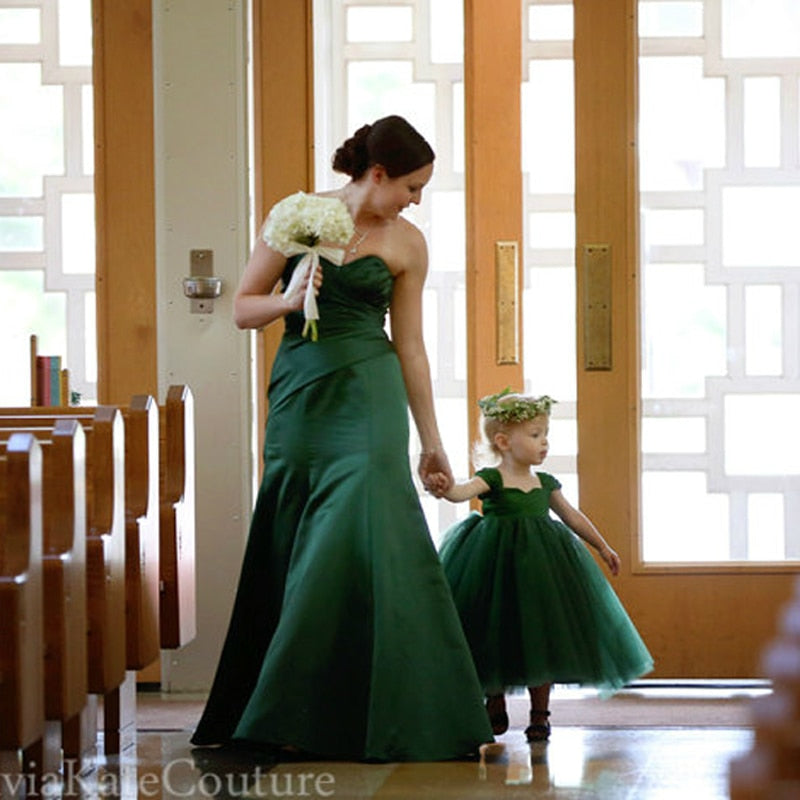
x,y
535,605
344,640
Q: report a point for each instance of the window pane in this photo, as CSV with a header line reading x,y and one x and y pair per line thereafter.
x,y
552,229
705,539
77,233
684,331
31,130
673,435
379,24
759,226
670,19
674,226
767,29
27,309
548,297
682,122
762,434
379,88
764,330
75,32
765,541
548,151
19,26
448,234
87,126
447,31
762,118
21,234
550,22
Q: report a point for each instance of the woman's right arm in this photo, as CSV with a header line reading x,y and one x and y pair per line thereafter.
x,y
256,303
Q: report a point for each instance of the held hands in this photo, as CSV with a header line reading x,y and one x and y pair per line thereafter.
x,y
434,471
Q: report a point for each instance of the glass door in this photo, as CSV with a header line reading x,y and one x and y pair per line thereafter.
x,y
687,164
720,268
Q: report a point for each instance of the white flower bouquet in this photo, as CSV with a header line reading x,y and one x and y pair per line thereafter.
x,y
311,225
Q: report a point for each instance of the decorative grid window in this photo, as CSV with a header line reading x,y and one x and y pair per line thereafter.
x,y
384,56
548,164
720,191
387,57
47,251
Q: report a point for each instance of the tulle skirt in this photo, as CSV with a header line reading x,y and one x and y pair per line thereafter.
x,y
536,607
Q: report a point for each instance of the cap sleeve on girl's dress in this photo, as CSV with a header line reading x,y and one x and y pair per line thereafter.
x,y
492,477
548,481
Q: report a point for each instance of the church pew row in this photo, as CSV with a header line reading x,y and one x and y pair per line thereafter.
x,y
173,468
67,705
177,519
139,507
64,584
160,463
104,573
21,613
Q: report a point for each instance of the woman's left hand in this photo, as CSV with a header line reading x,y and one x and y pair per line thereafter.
x,y
435,473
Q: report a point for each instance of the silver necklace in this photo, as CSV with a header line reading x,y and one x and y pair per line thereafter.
x,y
359,241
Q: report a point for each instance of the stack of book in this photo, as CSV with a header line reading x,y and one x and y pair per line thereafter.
x,y
49,382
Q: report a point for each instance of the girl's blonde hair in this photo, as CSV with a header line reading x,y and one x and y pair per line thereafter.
x,y
501,412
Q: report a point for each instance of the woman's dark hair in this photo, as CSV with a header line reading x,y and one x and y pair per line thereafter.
x,y
391,142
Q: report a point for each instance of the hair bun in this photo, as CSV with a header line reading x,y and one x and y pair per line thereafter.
x,y
390,141
352,157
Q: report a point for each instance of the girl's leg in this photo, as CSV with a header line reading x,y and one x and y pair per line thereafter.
x,y
539,729
496,709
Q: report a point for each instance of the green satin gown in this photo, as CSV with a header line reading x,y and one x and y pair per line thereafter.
x,y
535,605
344,640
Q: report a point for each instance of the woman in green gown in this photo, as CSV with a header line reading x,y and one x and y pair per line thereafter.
x,y
344,641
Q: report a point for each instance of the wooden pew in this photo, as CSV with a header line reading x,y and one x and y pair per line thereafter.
x,y
105,553
21,618
177,519
141,514
142,554
165,571
64,579
162,575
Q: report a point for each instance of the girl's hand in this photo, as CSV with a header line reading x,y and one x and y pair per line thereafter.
x,y
609,555
434,471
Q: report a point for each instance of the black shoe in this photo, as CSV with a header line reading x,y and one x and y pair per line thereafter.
x,y
498,717
539,732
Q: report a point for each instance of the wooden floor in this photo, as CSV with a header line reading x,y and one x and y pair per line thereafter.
x,y
647,743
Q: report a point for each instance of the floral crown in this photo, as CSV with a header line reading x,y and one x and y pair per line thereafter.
x,y
508,406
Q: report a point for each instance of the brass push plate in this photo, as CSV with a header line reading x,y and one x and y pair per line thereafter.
x,y
597,306
506,257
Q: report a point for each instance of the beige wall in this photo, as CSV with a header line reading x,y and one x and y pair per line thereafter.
x,y
201,203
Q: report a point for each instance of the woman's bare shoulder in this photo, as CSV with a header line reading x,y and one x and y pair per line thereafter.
x,y
407,247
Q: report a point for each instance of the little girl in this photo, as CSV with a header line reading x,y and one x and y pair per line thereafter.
x,y
534,604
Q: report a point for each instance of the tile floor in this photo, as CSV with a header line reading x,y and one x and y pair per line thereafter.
x,y
623,762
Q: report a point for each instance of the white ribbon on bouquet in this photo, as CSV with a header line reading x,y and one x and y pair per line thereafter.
x,y
308,265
